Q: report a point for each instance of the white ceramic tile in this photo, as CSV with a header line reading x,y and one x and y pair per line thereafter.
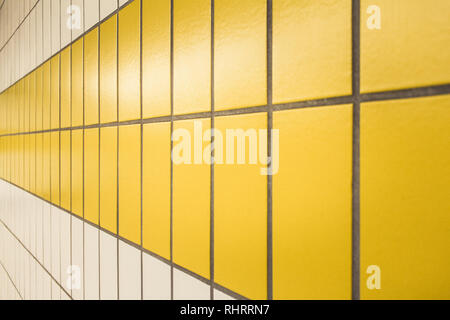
x,y
56,26
65,249
46,221
56,291
39,34
156,279
91,13
77,259
186,287
55,243
77,15
108,266
129,272
39,205
91,263
66,23
219,295
107,7
47,29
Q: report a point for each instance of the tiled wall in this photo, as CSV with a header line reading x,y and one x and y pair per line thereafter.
x,y
86,117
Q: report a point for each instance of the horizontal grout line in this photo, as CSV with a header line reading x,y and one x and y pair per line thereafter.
x,y
136,246
334,101
31,254
10,279
406,93
72,41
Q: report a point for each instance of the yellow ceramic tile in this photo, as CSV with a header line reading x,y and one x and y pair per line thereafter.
x,y
19,167
108,178
108,70
26,163
156,188
91,115
65,88
404,44
156,58
191,200
39,165
54,167
27,104
54,92
15,160
77,172
46,95
129,62
405,153
91,175
46,169
312,204
312,44
65,169
77,83
39,109
130,182
240,206
32,87
32,155
20,105
192,56
240,53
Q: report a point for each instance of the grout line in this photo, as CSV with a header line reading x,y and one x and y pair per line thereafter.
x,y
83,133
10,279
171,142
142,145
31,254
211,191
117,149
98,148
335,101
269,154
59,148
356,150
71,119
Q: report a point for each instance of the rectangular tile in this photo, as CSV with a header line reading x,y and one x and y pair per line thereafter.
x,y
192,56
108,178
156,188
312,50
404,199
91,175
108,70
130,183
312,204
240,48
156,58
129,62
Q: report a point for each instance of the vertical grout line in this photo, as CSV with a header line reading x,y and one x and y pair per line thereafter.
x,y
211,191
356,150
50,151
142,145
99,145
117,146
84,123
71,119
171,143
59,175
269,154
